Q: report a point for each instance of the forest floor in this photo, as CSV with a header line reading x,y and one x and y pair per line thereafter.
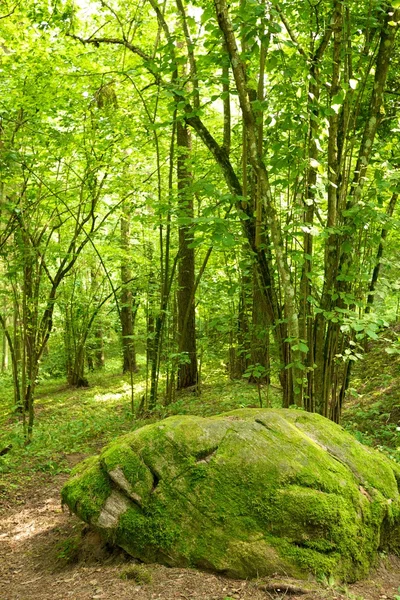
x,y
48,554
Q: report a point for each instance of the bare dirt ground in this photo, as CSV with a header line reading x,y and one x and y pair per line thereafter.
x,y
46,553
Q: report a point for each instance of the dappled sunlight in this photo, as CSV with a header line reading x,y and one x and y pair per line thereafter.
x,y
28,522
123,393
109,396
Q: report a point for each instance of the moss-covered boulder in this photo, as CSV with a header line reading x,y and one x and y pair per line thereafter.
x,y
247,493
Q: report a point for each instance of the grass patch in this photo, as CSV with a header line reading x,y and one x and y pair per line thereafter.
x,y
68,550
70,420
80,421
137,573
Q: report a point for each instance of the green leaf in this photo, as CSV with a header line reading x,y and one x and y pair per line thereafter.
x,y
314,163
338,98
371,333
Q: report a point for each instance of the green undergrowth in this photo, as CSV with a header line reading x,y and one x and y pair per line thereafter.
x,y
79,421
138,573
372,410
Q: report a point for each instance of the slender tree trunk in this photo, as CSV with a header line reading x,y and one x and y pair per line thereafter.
x,y
100,360
339,261
127,308
239,358
259,342
68,346
78,372
379,254
291,315
187,370
325,332
4,356
306,319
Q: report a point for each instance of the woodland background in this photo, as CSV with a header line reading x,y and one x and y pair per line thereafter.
x,y
198,212
195,186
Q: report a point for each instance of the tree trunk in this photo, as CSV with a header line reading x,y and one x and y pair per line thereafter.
x,y
239,351
100,360
127,313
4,356
260,346
187,370
332,374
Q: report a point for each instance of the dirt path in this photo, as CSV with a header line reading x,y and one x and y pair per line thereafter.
x,y
47,554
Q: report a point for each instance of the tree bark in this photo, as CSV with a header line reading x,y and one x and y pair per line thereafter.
x,y
187,370
128,310
260,346
379,254
273,224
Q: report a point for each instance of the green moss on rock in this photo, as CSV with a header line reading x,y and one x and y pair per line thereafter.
x,y
87,490
249,493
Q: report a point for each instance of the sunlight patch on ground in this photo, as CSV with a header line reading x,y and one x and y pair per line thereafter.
x,y
30,522
123,393
109,396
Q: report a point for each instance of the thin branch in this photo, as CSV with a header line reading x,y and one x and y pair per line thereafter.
x,y
113,12
290,31
324,42
192,60
116,41
12,11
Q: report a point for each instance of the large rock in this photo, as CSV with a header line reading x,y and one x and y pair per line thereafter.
x,y
247,493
